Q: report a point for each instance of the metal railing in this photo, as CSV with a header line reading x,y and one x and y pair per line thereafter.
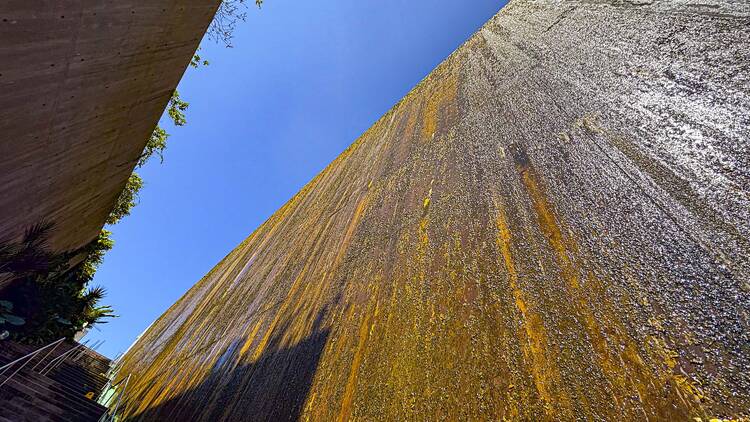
x,y
73,354
107,416
88,350
33,368
26,359
54,363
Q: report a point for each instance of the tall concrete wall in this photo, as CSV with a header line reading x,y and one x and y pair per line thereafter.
x,y
82,85
554,225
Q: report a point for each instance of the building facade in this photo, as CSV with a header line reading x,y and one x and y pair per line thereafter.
x,y
82,85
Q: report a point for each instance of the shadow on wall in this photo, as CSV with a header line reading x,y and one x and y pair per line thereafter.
x,y
272,388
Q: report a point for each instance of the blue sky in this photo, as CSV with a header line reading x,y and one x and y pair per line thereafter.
x,y
303,81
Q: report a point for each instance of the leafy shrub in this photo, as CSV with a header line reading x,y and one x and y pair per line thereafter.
x,y
47,298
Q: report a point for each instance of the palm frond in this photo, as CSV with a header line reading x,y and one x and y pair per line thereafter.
x,y
93,295
8,253
96,315
37,235
8,250
30,260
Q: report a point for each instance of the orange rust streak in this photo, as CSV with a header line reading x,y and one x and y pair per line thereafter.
x,y
283,308
445,92
549,226
628,364
551,229
251,338
342,248
351,384
350,230
282,311
548,223
543,371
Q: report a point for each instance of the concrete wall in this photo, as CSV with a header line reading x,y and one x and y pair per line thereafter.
x,y
552,226
82,85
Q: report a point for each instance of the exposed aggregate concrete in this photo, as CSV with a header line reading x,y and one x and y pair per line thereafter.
x,y
554,225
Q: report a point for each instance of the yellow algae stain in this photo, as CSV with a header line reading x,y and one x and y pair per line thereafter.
x,y
365,330
423,245
286,303
423,223
630,366
612,368
689,390
307,414
411,120
281,312
689,387
264,341
353,224
535,344
443,94
428,198
249,342
548,224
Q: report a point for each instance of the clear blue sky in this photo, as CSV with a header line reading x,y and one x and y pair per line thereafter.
x,y
303,81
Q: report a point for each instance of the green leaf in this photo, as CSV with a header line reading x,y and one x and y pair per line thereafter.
x,y
64,321
13,320
6,306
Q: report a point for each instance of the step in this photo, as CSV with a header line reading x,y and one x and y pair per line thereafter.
x,y
76,379
89,358
24,411
17,398
72,368
79,373
75,384
58,396
56,392
83,379
25,388
60,391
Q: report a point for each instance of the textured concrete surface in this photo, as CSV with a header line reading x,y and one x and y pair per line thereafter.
x,y
82,85
554,225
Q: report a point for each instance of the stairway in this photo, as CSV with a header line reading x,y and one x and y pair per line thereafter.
x,y
59,396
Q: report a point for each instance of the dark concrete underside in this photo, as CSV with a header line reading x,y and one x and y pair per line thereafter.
x,y
82,85
553,225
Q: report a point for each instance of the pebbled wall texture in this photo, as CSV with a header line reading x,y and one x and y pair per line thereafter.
x,y
553,225
82,85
